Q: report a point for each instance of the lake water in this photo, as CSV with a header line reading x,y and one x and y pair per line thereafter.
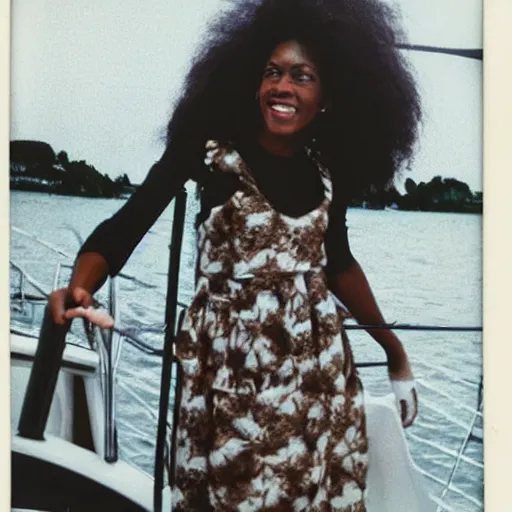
x,y
425,268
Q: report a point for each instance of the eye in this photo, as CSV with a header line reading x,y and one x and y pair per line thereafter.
x,y
303,76
271,72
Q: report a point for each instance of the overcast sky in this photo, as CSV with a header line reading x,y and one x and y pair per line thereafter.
x,y
97,79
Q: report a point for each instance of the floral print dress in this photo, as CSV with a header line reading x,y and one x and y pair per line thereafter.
x,y
270,413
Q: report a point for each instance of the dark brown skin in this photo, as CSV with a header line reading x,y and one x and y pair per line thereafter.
x,y
290,79
89,274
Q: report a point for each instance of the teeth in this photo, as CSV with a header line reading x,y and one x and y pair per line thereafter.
x,y
287,109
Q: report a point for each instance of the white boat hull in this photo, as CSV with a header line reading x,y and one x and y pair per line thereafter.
x,y
77,362
54,472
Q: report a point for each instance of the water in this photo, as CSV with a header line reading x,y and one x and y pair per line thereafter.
x,y
423,267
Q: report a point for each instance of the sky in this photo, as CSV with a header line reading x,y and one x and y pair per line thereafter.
x,y
97,79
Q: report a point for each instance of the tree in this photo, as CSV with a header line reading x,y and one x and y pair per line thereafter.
x,y
410,186
62,159
31,153
34,166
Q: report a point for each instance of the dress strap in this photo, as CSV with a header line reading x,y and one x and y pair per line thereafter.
x,y
325,175
225,158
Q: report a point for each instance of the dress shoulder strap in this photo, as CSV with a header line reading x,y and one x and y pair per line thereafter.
x,y
325,175
224,157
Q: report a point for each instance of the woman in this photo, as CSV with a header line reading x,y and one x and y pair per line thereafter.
x,y
290,109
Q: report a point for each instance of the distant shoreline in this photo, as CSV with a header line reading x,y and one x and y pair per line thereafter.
x,y
35,167
62,194
41,188
126,196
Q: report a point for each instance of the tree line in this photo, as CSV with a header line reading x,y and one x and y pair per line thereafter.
x,y
34,166
438,195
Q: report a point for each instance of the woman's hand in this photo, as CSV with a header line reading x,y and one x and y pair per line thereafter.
x,y
81,302
404,388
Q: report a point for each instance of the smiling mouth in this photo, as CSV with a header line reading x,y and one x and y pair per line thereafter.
x,y
283,109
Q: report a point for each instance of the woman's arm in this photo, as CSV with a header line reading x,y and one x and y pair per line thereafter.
x,y
353,289
116,238
109,246
348,282
89,273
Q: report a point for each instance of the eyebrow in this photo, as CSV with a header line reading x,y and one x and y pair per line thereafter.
x,y
300,65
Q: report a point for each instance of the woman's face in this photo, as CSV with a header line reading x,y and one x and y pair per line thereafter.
x,y
290,92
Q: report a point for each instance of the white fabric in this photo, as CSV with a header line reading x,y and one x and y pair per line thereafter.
x,y
394,482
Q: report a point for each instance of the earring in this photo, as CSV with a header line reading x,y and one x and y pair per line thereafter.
x,y
323,110
257,96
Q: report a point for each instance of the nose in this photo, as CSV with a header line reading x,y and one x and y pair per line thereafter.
x,y
283,86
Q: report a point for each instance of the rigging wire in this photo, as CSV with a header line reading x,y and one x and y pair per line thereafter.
x,y
472,53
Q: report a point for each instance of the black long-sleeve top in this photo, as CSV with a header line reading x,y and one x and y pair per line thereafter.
x,y
291,184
